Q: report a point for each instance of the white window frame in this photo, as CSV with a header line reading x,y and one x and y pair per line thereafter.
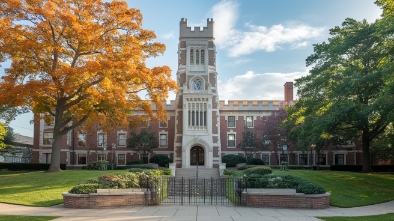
x,y
101,139
80,135
246,121
307,159
268,155
117,159
49,139
125,139
228,139
100,155
160,140
228,122
86,158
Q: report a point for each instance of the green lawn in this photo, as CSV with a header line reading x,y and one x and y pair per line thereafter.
x,y
384,217
41,188
350,189
26,218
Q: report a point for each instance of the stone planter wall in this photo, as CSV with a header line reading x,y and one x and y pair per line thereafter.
x,y
105,198
285,198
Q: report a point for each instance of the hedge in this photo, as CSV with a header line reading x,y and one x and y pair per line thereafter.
x,y
28,166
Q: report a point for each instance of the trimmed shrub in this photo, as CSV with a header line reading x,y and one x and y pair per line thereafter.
x,y
255,161
244,167
261,170
309,188
165,171
27,166
161,159
141,166
232,160
85,188
96,165
134,162
232,172
135,170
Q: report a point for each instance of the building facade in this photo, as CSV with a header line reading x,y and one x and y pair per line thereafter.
x,y
200,128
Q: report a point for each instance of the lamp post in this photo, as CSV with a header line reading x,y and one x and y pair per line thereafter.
x,y
313,151
113,155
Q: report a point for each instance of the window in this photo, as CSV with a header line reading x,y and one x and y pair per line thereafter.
x,y
191,56
266,159
249,121
162,124
101,157
202,56
47,157
303,159
322,159
339,159
121,139
197,115
81,159
102,140
48,138
81,139
284,158
197,57
231,121
122,159
231,140
145,122
163,140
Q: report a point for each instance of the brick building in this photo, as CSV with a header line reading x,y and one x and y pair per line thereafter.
x,y
200,128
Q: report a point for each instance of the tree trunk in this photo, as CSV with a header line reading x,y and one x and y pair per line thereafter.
x,y
367,167
55,156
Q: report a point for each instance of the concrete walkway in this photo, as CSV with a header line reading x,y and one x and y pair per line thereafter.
x,y
193,213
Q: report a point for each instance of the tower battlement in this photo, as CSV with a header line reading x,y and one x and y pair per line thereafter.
x,y
186,32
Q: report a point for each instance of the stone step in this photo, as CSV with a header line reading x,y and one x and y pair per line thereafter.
x,y
188,173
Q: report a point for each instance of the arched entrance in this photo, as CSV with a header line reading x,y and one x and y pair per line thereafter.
x,y
197,156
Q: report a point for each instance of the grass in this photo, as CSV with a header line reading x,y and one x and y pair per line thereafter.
x,y
41,188
26,218
384,217
349,189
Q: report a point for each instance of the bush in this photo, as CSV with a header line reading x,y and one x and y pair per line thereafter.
x,y
141,166
134,162
232,160
165,171
27,166
135,170
255,161
85,188
233,173
244,167
309,188
96,165
261,170
161,159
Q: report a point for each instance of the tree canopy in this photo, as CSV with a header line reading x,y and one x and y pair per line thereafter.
x,y
348,93
74,60
143,142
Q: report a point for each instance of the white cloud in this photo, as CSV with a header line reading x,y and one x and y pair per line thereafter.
x,y
255,86
257,38
168,35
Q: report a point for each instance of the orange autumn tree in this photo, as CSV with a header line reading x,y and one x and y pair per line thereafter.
x,y
76,60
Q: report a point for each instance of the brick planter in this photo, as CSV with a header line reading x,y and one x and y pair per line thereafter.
x,y
285,198
105,198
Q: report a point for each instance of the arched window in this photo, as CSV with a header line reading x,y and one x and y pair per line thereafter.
x,y
197,56
202,56
191,56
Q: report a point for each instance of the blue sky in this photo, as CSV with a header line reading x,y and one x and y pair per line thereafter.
x,y
261,44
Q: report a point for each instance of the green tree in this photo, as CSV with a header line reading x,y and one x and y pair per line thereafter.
x,y
347,93
249,143
143,142
6,136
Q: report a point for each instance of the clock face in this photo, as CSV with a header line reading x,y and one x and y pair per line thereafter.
x,y
197,84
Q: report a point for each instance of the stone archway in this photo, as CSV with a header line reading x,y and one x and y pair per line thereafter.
x,y
197,156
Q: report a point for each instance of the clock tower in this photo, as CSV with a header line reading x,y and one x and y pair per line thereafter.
x,y
197,135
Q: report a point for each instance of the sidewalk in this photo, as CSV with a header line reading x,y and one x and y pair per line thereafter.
x,y
193,213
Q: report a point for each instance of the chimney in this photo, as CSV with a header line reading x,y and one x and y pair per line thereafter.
x,y
288,92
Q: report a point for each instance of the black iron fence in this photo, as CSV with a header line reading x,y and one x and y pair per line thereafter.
x,y
211,191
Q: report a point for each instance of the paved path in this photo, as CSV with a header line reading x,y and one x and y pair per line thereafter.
x,y
193,213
